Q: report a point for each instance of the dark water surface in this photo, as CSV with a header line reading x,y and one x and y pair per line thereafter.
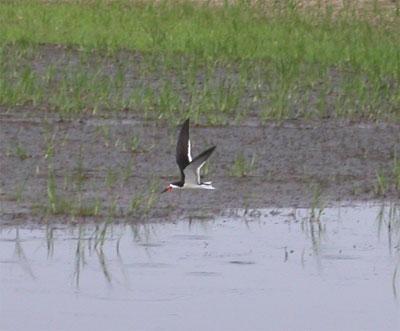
x,y
265,269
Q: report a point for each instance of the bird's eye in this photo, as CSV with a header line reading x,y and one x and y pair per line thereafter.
x,y
169,188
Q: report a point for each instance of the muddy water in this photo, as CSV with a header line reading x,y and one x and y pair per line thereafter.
x,y
261,269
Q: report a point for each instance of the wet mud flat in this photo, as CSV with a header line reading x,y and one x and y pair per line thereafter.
x,y
86,239
64,155
304,111
50,163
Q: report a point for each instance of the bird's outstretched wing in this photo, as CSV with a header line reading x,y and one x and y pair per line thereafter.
x,y
192,171
183,148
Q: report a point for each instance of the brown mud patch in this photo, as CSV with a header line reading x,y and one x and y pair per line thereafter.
x,y
86,167
292,162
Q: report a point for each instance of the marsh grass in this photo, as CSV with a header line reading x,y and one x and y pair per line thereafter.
x,y
387,181
382,184
49,149
143,201
20,192
21,152
389,218
318,204
60,202
137,146
242,165
18,195
215,63
396,172
127,172
312,224
111,178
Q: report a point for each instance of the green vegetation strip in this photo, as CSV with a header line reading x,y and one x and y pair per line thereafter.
x,y
299,62
236,31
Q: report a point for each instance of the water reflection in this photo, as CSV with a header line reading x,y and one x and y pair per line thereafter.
x,y
20,256
283,257
90,239
389,221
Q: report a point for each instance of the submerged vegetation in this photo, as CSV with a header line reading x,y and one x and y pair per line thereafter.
x,y
273,60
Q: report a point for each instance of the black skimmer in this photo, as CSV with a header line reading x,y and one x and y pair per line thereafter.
x,y
190,169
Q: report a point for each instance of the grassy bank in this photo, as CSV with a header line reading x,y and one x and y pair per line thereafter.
x,y
217,63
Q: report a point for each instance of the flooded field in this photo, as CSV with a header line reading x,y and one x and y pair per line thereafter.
x,y
247,269
303,106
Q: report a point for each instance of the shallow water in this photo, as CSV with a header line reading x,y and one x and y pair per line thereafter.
x,y
264,269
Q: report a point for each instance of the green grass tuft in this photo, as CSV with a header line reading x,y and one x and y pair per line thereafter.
x,y
272,59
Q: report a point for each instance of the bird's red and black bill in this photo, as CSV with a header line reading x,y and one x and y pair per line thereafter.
x,y
169,188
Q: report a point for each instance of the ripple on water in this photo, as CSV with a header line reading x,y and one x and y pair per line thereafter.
x,y
304,276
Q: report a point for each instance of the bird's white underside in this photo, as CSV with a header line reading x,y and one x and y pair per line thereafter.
x,y
206,185
202,185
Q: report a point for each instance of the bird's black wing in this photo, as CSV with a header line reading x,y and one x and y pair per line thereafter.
x,y
183,148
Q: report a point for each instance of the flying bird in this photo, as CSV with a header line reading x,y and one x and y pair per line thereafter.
x,y
190,169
